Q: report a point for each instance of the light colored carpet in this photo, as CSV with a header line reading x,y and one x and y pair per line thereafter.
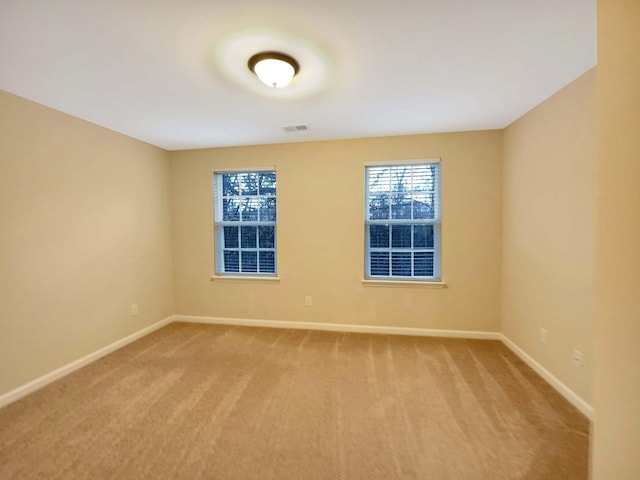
x,y
218,402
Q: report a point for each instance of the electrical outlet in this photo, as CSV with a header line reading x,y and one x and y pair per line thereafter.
x,y
542,335
134,309
308,301
578,360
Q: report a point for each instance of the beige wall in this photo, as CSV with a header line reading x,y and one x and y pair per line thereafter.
x,y
617,378
548,232
84,233
320,234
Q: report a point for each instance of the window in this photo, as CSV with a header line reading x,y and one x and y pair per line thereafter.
x,y
245,222
402,221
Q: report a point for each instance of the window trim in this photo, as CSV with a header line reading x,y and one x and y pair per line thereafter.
x,y
218,229
379,280
230,277
369,282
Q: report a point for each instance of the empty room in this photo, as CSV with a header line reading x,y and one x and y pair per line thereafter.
x,y
292,240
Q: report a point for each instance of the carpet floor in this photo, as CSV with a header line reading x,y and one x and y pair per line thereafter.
x,y
196,401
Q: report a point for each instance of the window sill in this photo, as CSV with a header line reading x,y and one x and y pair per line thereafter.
x,y
238,279
403,283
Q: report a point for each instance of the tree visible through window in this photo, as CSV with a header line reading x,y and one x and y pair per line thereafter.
x,y
402,221
245,222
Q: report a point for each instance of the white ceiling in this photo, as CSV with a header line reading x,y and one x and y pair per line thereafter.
x,y
173,72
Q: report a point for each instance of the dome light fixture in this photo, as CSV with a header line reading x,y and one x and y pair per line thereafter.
x,y
274,68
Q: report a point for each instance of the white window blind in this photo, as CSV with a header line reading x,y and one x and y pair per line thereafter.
x,y
402,221
245,222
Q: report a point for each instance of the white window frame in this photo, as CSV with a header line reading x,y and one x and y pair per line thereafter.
x,y
436,222
219,224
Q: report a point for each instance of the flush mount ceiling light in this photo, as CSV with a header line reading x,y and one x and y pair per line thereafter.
x,y
274,68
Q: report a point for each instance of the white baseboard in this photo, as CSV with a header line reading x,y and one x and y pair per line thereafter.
x,y
44,380
565,391
340,327
551,379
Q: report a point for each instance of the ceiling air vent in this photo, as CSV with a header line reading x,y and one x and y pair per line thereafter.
x,y
296,128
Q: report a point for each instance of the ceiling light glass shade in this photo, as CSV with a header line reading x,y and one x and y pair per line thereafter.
x,y
273,68
274,73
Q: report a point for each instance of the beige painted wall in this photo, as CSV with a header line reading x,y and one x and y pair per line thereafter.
x,y
548,232
84,233
617,378
321,234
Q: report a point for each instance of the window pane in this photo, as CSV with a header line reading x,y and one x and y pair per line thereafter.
x,y
379,206
423,236
268,209
231,237
230,184
421,178
249,209
379,179
267,183
401,236
421,208
379,263
230,209
425,188
401,264
401,192
231,261
249,261
400,206
423,264
401,179
248,237
379,186
379,236
266,237
248,183
425,178
267,262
